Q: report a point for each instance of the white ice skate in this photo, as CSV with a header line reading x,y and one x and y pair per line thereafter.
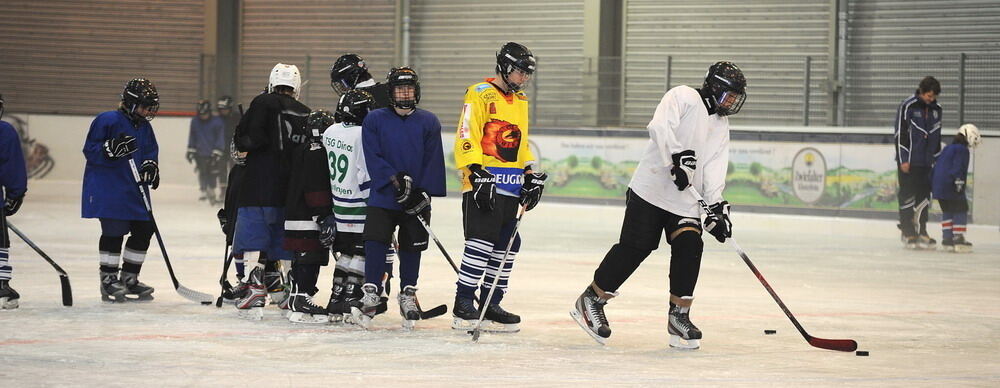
x,y
683,333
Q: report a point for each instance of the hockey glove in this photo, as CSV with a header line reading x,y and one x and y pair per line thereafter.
x,y
119,147
959,185
417,203
223,221
149,173
531,190
484,187
11,205
682,171
190,155
717,223
404,187
328,231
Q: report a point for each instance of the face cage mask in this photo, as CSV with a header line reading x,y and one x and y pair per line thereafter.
x,y
512,86
734,106
340,87
405,104
150,111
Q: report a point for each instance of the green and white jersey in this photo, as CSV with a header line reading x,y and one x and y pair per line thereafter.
x,y
349,179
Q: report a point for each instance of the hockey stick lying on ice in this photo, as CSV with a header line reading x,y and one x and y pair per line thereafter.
x,y
843,345
188,293
67,292
496,279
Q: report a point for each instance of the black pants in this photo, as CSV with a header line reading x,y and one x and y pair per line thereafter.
x,y
914,200
640,235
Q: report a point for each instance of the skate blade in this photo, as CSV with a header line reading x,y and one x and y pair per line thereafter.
x,y
360,318
498,328
115,298
8,304
959,249
583,325
463,324
336,319
314,319
139,298
677,342
251,314
409,324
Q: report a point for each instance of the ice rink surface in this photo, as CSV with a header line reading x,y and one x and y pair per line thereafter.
x,y
928,318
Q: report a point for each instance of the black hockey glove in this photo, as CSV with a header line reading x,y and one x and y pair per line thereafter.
x,y
223,221
404,187
11,205
119,147
959,185
417,203
149,173
328,231
190,155
682,171
717,223
484,187
531,190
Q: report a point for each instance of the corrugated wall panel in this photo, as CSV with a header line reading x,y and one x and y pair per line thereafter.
x,y
74,56
892,44
454,45
768,39
289,31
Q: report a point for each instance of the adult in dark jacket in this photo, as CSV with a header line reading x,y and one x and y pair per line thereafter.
x,y
918,142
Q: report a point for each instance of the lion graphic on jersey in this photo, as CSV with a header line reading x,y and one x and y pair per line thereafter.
x,y
501,140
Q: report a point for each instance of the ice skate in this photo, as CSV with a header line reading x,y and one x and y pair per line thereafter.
x,y
961,245
135,290
231,294
251,306
369,306
335,308
911,242
926,242
683,333
589,314
112,290
277,290
9,299
947,245
409,307
302,309
498,320
464,314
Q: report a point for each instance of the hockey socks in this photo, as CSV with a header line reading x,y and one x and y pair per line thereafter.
x,y
5,269
475,258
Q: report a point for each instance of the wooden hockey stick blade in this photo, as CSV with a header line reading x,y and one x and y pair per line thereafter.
x,y
843,345
196,296
67,291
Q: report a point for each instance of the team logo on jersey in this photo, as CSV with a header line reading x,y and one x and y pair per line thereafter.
x,y
809,175
501,140
466,145
493,108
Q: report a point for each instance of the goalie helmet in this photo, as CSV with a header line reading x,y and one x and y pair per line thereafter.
x,y
514,56
403,76
726,85
353,107
140,92
284,75
971,133
318,121
347,72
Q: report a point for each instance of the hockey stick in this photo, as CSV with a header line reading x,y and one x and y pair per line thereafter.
x,y
201,297
438,310
67,292
496,279
436,241
843,345
222,279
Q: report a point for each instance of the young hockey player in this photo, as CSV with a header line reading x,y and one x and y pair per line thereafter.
x,y
13,186
402,151
110,193
349,183
918,142
266,133
949,182
230,118
496,163
205,149
227,220
688,146
308,206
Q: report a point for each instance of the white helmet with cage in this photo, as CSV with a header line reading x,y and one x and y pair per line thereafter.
x,y
971,133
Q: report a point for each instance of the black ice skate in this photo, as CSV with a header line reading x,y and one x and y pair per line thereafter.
x,y
961,246
231,294
498,320
302,309
589,313
683,333
464,313
926,242
277,290
138,291
112,290
369,306
251,306
9,299
336,308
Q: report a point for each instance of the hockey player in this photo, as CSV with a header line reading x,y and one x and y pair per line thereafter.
x,y
110,193
402,151
266,133
309,205
205,149
350,72
949,182
13,186
918,141
349,183
497,168
227,220
688,146
224,107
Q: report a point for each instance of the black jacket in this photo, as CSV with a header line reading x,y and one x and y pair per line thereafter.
x,y
268,133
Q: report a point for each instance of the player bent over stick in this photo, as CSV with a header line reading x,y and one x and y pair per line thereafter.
x,y
689,145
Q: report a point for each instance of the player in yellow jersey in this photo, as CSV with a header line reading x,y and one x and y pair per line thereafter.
x,y
492,153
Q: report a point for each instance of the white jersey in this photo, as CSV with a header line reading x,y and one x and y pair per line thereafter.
x,y
349,179
680,123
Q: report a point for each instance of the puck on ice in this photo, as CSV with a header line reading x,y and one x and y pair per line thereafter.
x,y
861,353
206,303
770,332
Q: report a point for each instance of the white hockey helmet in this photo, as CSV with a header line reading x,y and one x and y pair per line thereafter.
x,y
971,134
287,75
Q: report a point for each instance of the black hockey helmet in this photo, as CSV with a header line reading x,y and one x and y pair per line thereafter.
x,y
403,76
140,92
318,121
347,72
353,107
203,107
225,102
727,87
514,56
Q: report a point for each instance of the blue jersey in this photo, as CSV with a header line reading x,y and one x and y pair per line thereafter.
x,y
206,136
109,188
394,144
952,164
13,174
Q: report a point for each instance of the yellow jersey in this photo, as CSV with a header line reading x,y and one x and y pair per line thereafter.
x,y
493,132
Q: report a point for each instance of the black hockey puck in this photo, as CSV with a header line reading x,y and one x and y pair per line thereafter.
x,y
206,303
769,332
861,353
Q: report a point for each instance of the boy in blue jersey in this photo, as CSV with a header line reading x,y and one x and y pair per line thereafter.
x,y
402,149
205,145
110,193
948,186
13,185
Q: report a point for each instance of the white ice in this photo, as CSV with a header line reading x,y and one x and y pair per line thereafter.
x,y
928,318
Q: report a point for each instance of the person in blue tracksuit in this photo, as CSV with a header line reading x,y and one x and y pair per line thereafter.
x,y
948,185
14,184
918,141
110,191
205,149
